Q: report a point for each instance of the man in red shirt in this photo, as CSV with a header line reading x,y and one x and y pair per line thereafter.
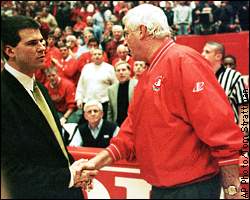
x,y
51,51
66,66
79,25
180,126
122,55
112,45
62,93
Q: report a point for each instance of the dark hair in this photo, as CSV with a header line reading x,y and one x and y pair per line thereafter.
x,y
51,35
93,39
62,44
11,27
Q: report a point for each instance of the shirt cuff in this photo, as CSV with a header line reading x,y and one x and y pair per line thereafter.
x,y
233,161
71,183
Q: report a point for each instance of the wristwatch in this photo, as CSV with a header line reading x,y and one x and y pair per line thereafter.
x,y
231,190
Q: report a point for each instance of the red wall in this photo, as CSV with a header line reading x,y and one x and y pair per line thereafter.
x,y
236,44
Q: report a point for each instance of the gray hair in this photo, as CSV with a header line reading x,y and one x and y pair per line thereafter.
x,y
117,28
150,16
92,102
70,38
122,47
219,47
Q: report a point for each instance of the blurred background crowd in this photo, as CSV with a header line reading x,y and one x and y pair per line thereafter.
x,y
185,17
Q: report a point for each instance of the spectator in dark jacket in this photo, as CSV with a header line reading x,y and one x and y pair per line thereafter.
x,y
97,132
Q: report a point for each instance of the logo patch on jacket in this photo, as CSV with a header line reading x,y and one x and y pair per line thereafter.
x,y
157,84
199,86
106,136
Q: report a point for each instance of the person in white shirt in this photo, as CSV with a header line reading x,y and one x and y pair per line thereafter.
x,y
94,81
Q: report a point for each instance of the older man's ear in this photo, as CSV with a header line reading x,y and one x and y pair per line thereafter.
x,y
143,32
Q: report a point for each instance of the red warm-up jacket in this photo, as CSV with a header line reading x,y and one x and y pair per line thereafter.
x,y
180,126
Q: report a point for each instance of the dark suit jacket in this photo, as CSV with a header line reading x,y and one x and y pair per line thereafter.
x,y
32,160
113,95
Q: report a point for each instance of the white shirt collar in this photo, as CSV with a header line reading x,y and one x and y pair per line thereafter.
x,y
68,58
98,127
25,80
96,130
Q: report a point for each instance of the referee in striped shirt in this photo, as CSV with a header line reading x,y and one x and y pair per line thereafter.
x,y
230,80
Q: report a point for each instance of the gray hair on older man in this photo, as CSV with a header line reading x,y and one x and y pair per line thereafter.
x,y
92,102
150,16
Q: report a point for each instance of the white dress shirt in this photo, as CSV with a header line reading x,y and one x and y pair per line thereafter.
x,y
25,80
94,82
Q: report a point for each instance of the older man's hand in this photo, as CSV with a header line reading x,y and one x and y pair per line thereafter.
x,y
83,173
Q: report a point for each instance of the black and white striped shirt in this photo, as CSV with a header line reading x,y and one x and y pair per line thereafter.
x,y
233,84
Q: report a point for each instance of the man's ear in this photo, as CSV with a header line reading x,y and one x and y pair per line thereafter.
x,y
143,32
9,51
218,56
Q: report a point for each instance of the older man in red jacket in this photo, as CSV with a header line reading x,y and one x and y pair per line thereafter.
x,y
180,126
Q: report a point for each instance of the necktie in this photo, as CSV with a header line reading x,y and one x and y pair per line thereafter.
x,y
43,106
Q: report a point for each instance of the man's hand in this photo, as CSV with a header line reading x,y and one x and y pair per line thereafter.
x,y
236,196
83,173
87,175
79,104
86,170
63,120
230,177
56,62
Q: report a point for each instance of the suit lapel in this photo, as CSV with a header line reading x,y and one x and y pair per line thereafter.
x,y
20,96
115,96
50,104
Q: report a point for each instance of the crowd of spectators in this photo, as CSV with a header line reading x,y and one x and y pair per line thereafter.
x,y
76,31
185,17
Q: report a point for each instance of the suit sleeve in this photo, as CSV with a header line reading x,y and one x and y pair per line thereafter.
x,y
15,154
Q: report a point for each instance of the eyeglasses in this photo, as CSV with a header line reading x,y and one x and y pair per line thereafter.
x,y
94,111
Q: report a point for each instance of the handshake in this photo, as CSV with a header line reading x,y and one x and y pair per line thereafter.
x,y
83,172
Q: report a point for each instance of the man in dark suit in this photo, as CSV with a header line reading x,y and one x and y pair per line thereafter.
x,y
35,162
120,93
